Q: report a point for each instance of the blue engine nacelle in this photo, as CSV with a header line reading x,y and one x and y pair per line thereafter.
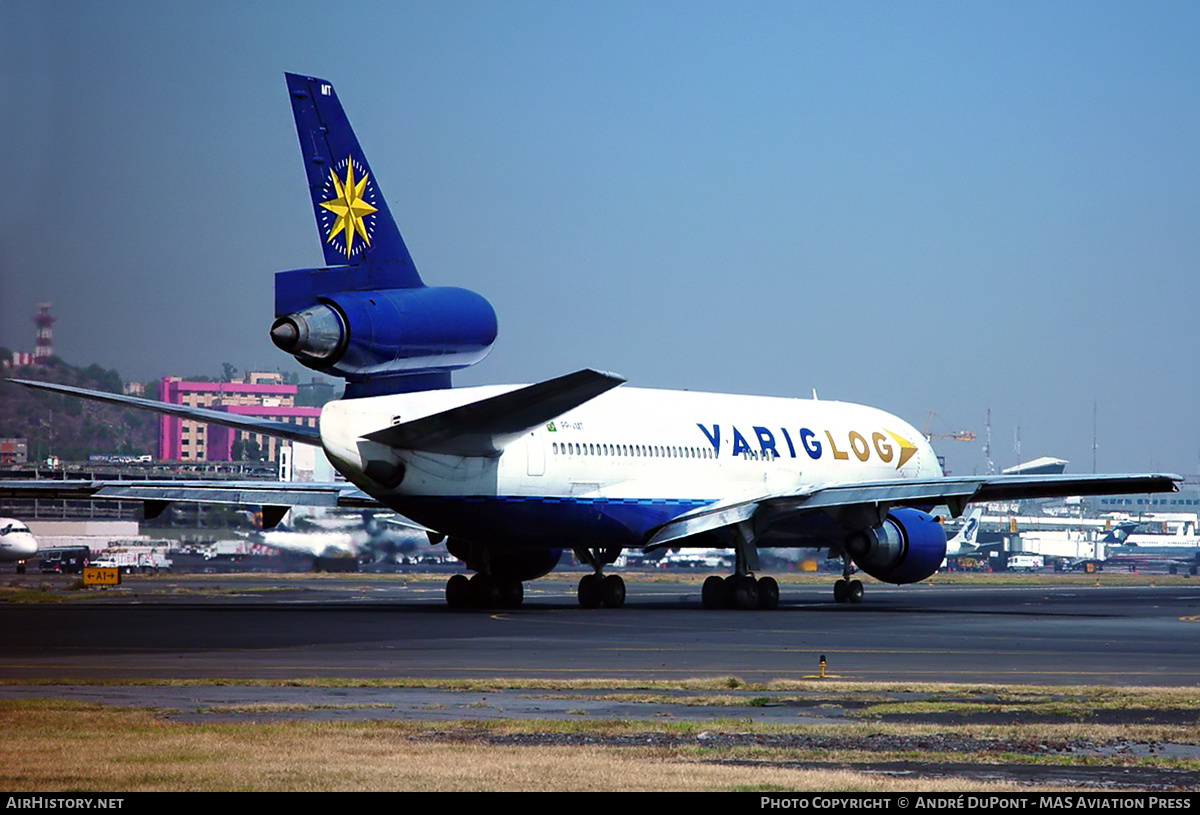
x,y
390,332
908,546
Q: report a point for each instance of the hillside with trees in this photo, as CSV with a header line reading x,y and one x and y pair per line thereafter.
x,y
68,427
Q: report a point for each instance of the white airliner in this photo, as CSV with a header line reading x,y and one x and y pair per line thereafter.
x,y
17,543
511,476
965,542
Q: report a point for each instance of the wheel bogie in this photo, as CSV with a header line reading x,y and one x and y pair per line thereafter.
x,y
740,591
483,591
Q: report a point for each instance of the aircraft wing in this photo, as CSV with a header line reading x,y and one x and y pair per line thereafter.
x,y
870,501
485,427
297,433
275,497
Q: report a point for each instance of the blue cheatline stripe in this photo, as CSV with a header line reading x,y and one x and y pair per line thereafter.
x,y
553,521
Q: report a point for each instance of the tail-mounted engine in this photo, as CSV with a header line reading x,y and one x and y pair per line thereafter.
x,y
361,335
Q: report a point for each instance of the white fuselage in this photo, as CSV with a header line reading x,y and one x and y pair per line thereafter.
x,y
17,543
659,452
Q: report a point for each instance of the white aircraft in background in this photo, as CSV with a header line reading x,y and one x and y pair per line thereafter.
x,y
17,543
965,541
509,476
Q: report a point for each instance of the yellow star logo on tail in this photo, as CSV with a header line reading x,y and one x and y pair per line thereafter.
x,y
349,207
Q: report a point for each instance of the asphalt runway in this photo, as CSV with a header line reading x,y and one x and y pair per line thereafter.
x,y
355,627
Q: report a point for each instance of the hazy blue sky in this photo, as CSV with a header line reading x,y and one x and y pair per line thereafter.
x,y
927,206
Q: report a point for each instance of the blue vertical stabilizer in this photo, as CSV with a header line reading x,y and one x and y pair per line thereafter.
x,y
353,219
367,316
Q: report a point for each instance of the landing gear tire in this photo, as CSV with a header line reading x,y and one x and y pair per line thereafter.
x,y
712,594
484,591
742,592
458,591
590,591
511,593
848,591
768,593
612,591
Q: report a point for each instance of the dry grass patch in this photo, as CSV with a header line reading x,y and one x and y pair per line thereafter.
x,y
81,747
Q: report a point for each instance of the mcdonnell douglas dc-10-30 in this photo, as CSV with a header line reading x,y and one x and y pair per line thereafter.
x,y
511,476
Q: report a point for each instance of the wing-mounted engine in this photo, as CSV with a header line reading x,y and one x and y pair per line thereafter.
x,y
366,316
908,546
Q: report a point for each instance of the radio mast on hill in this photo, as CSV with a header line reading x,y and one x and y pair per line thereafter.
x,y
43,344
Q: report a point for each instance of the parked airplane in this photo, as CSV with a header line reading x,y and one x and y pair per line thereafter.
x,y
1127,547
17,543
1172,558
1134,533
964,543
510,476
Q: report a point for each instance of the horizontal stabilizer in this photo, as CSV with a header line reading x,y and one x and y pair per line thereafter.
x,y
275,493
297,433
275,497
485,427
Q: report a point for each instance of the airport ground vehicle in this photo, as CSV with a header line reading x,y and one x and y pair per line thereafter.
x,y
65,559
134,562
1025,562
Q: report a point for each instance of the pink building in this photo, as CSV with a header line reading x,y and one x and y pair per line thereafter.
x,y
264,396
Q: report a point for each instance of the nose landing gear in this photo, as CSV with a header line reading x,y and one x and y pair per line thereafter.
x,y
847,590
598,589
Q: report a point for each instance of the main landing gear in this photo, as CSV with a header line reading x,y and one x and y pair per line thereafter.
x,y
742,591
484,591
599,589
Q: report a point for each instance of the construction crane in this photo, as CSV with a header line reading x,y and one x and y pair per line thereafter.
x,y
957,435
